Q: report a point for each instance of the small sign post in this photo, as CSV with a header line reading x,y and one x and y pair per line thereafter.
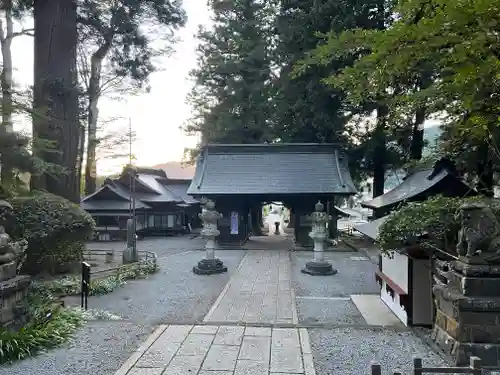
x,y
85,284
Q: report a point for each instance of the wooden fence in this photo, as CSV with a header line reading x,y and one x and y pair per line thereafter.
x,y
474,368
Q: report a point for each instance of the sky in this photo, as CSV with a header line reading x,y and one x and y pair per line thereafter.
x,y
155,116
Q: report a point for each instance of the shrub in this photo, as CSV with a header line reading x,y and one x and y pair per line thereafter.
x,y
71,285
55,228
434,218
49,325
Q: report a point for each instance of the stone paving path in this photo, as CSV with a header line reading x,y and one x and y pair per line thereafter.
x,y
251,329
259,292
224,350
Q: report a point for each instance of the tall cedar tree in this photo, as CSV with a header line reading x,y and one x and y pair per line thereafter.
x,y
309,110
114,31
232,81
305,109
55,95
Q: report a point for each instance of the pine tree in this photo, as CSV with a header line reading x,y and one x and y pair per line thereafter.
x,y
232,80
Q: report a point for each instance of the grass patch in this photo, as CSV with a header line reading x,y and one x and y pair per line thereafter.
x,y
49,325
71,285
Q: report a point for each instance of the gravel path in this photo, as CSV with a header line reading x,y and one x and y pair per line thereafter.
x,y
350,351
174,294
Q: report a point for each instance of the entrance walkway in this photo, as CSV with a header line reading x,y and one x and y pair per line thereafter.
x,y
238,337
259,292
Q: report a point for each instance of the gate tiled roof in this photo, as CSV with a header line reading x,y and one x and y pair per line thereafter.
x,y
278,169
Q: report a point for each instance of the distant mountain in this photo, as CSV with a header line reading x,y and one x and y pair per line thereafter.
x,y
177,170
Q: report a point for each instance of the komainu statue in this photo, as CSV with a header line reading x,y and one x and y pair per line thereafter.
x,y
479,232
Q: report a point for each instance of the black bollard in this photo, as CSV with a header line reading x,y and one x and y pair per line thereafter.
x,y
277,230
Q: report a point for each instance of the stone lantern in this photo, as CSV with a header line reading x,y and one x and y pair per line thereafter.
x,y
319,267
13,287
210,264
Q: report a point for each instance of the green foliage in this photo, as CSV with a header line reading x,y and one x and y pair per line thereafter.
x,y
49,325
113,30
231,96
71,285
437,56
434,219
55,230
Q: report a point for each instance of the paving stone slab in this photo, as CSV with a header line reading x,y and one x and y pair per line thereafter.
x,y
255,348
258,331
285,337
221,358
229,335
196,344
210,330
249,367
184,365
287,360
145,371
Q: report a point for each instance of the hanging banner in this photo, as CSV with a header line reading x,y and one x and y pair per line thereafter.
x,y
234,222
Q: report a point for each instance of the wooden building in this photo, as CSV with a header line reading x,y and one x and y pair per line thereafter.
x,y
240,178
162,205
405,277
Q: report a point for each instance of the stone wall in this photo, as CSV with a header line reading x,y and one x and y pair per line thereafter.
x,y
468,313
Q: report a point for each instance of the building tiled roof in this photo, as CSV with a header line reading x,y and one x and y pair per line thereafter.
x,y
371,229
114,195
106,205
414,184
277,169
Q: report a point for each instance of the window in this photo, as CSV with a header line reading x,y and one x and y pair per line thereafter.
x,y
171,220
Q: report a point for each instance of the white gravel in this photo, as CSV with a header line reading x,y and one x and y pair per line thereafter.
x,y
174,294
350,351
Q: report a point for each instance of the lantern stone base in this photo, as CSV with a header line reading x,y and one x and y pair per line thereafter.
x,y
209,267
319,268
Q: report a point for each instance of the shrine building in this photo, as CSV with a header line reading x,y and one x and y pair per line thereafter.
x,y
240,178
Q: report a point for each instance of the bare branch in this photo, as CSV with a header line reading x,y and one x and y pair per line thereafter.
x,y
27,32
83,66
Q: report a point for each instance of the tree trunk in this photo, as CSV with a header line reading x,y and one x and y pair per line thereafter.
x,y
379,158
79,161
485,171
93,113
417,138
6,83
55,95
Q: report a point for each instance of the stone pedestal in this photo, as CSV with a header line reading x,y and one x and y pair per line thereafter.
x,y
468,312
13,292
319,267
210,264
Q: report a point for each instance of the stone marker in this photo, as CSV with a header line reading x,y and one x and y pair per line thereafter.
x,y
319,267
130,254
210,264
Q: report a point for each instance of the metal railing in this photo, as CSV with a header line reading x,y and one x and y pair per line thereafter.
x,y
144,256
474,368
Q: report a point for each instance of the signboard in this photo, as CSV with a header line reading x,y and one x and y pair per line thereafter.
x,y
234,222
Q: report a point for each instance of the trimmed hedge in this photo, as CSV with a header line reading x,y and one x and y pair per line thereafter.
x,y
55,228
